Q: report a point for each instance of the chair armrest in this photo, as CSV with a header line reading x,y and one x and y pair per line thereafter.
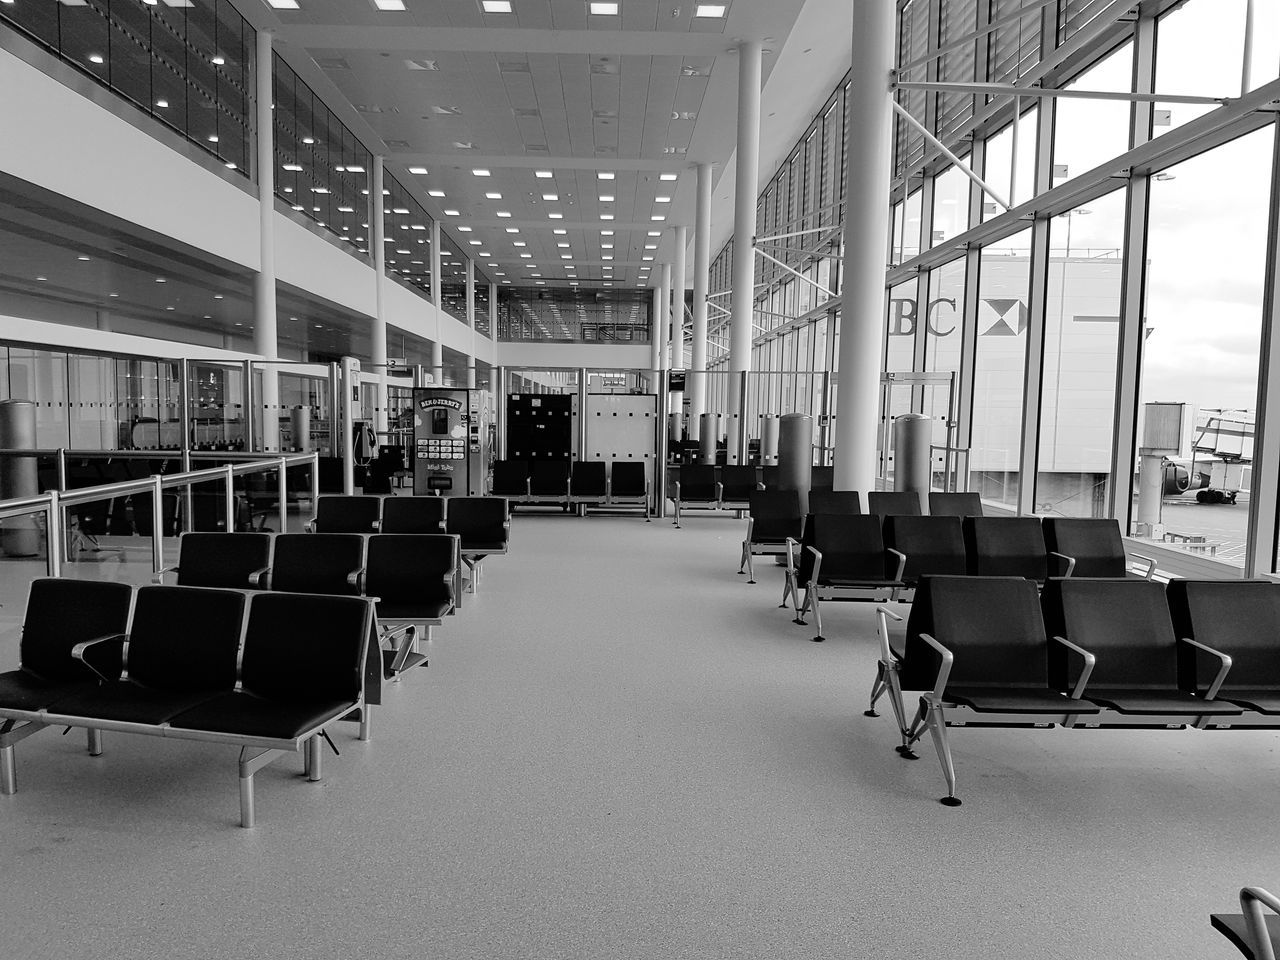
x,y
82,651
902,563
1223,659
259,577
882,630
1090,661
792,546
676,484
944,670
1150,571
356,579
817,563
158,576
377,526
310,525
1068,562
719,491
1252,900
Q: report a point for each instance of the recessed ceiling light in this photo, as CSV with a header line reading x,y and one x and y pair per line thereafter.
x,y
400,210
655,233
418,171
661,199
435,193
604,175
603,9
560,233
496,6
389,4
451,213
464,229
82,257
44,279
162,103
504,281
218,61
113,294
606,256
95,58
563,246
668,176
308,140
504,213
293,167
651,246
481,172
709,9
493,196
551,196
474,243
606,198
606,233
543,174
646,259
555,216
606,246
283,4
519,243
657,217
606,216
513,229
527,256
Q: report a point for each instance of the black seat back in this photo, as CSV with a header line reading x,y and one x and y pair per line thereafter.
x,y
1124,623
300,648
222,559
697,482
1095,545
835,501
588,478
893,503
822,478
479,520
934,545
738,482
316,562
628,478
955,505
1239,617
776,516
60,614
414,514
1005,547
852,548
769,477
343,514
992,625
510,478
185,638
410,568
549,478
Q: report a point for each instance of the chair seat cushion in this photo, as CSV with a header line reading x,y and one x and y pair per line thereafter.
x,y
1017,700
1264,699
249,715
480,546
413,612
126,701
22,690
1233,927
1137,700
865,582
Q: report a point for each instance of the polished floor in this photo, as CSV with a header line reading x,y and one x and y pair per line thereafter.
x,y
622,750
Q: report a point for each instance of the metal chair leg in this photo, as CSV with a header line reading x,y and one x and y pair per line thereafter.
x,y
817,612
366,724
938,727
95,742
8,772
894,683
315,755
743,560
877,688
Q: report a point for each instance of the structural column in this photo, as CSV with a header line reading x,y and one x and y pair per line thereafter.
x,y
471,322
664,353
697,381
866,223
437,348
264,282
655,338
681,237
378,334
744,235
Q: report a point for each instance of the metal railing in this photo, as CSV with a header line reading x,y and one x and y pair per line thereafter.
x,y
53,504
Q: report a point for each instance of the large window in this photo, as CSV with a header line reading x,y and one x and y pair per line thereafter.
x,y
1090,132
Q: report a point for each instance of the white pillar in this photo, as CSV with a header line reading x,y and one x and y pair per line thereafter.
x,y
493,312
437,348
866,224
437,363
664,317
677,298
471,322
264,282
378,333
655,341
744,232
697,383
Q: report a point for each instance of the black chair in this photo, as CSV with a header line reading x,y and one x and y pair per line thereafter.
x,y
342,514
227,560
840,557
549,482
510,480
1126,624
1006,547
330,563
1086,547
848,502
933,546
1242,619
589,483
893,503
696,486
769,476
822,478
629,484
955,505
209,511
424,514
737,483
979,648
483,526
412,578
775,517
1255,934
144,518
63,618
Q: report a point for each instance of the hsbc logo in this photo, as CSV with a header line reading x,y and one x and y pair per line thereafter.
x,y
997,317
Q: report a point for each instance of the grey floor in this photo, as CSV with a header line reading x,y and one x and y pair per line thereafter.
x,y
622,750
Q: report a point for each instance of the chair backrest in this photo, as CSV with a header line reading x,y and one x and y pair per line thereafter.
x,y
769,476
510,478
306,648
738,482
411,567
549,478
1005,547
588,478
316,562
992,625
60,614
414,514
185,638
776,515
1239,617
1095,544
852,547
343,514
628,478
221,559
822,478
479,519
934,545
1124,623
893,503
955,505
697,481
835,501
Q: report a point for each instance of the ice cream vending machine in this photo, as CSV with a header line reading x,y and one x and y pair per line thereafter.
x,y
450,441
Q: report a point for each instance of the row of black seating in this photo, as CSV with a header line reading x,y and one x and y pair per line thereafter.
x,y
994,651
581,483
269,673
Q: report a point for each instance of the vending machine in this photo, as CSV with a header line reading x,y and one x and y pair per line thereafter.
x,y
450,441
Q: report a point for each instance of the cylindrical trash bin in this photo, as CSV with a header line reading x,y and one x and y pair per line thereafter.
x,y
795,455
911,470
300,424
769,440
708,437
19,477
